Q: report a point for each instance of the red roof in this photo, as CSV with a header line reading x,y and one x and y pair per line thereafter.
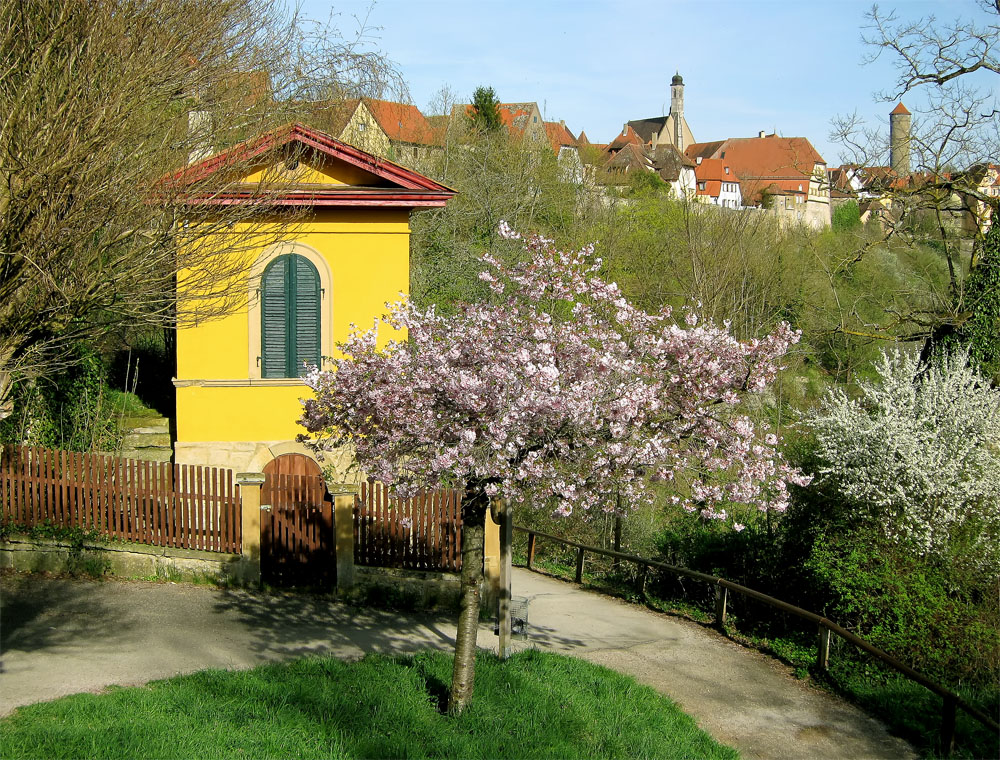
x,y
759,161
397,186
628,136
559,136
900,109
401,122
714,169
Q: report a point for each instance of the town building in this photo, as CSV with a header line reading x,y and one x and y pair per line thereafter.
x,y
784,174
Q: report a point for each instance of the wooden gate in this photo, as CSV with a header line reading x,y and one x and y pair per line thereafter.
x,y
296,524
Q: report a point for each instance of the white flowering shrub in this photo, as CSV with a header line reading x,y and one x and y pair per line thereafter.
x,y
918,452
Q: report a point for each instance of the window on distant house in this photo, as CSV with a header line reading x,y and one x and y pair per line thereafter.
x,y
290,316
701,185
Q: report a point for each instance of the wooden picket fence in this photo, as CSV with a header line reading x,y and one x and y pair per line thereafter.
x,y
183,506
420,533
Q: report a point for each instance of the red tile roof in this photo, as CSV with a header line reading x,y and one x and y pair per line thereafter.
x,y
761,161
559,136
714,169
401,122
900,109
628,136
395,185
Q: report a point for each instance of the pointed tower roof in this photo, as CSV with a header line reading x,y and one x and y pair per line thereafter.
x,y
900,109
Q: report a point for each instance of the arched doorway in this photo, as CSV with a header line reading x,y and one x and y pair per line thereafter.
x,y
297,541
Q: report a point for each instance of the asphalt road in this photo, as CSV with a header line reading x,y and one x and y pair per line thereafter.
x,y
62,636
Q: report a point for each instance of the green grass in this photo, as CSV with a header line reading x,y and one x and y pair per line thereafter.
x,y
535,705
128,405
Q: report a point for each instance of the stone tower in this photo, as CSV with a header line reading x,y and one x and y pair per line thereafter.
x,y
899,140
677,110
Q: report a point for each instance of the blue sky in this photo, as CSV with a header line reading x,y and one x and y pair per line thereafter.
x,y
777,65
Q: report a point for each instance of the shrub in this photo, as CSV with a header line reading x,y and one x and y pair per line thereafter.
x,y
917,456
846,217
72,410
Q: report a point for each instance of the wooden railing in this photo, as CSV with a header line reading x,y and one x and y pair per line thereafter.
x,y
951,701
420,533
182,506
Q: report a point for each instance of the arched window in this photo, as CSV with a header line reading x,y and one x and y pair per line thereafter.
x,y
290,317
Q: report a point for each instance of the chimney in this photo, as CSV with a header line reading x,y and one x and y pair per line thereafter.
x,y
899,140
677,110
698,160
761,133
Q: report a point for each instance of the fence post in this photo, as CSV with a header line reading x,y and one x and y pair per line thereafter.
x,y
948,714
506,520
721,597
579,565
531,550
250,483
344,495
823,655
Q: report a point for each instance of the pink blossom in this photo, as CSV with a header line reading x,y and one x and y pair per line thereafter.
x,y
556,409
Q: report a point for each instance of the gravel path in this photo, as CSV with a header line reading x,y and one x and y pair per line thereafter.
x,y
61,636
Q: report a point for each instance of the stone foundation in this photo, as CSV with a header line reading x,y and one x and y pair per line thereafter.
x,y
33,555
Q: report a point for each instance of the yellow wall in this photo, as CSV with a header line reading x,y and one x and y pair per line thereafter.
x,y
218,399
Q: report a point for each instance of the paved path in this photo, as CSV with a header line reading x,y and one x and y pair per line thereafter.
x,y
65,636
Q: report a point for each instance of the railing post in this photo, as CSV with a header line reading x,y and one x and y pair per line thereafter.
x,y
579,565
823,655
344,495
617,541
642,579
250,484
721,598
531,550
948,714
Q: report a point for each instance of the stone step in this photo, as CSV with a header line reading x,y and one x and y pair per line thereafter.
x,y
137,439
147,424
147,454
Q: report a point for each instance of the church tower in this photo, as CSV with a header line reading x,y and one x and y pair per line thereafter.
x,y
677,110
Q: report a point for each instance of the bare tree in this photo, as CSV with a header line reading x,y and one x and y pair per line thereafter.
x,y
99,101
938,198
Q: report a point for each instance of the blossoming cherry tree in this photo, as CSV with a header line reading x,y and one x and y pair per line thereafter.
x,y
555,393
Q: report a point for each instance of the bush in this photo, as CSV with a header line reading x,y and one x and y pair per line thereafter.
x,y
917,458
944,625
846,216
72,410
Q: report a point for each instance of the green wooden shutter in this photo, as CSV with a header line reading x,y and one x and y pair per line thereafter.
x,y
274,318
307,316
291,300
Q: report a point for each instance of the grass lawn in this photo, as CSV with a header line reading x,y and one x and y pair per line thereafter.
x,y
536,705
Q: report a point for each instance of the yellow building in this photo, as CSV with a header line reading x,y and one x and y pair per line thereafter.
x,y
238,383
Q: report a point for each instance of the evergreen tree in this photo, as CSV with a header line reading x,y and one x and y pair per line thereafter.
x,y
485,114
982,331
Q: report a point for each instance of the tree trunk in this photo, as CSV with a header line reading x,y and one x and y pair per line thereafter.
x,y
474,508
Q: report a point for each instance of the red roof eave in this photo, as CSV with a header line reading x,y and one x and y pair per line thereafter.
x,y
406,178
342,199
